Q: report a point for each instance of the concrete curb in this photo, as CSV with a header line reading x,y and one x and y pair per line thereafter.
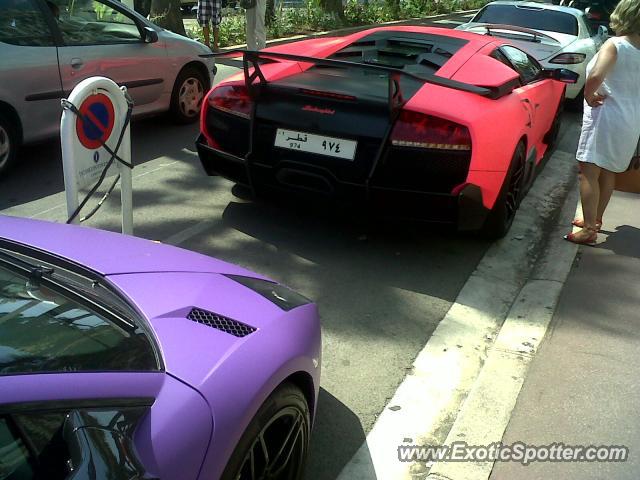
x,y
496,390
427,404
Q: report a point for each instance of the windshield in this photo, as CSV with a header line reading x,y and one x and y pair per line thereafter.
x,y
49,325
539,19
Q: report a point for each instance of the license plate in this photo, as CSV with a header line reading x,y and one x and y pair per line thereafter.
x,y
320,144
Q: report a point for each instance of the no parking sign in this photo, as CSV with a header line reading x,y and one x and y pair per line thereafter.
x,y
91,130
95,125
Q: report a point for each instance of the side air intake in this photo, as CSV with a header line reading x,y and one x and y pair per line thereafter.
x,y
213,320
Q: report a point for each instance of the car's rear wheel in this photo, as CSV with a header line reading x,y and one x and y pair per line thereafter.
x,y
576,104
501,216
276,443
8,144
551,137
188,93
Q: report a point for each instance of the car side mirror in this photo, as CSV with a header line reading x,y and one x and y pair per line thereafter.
x,y
603,31
561,74
150,35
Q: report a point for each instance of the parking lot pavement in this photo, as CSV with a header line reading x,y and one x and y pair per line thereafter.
x,y
381,289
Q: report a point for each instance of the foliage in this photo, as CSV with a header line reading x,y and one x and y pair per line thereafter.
x,y
167,14
310,17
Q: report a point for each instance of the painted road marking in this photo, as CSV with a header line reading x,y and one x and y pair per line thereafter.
x,y
425,405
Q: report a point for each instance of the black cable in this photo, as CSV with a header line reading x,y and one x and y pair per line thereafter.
x,y
114,156
101,201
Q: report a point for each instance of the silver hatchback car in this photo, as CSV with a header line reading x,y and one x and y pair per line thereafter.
x,y
48,46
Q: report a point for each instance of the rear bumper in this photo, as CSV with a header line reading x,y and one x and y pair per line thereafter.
x,y
464,210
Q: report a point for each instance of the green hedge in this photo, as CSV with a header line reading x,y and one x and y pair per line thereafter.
x,y
310,17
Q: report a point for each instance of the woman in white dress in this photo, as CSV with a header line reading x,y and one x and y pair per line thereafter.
x,y
611,119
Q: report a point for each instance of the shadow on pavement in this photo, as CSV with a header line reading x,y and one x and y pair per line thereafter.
x,y
337,435
625,241
38,171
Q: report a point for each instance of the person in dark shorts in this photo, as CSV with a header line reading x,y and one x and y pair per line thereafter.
x,y
210,13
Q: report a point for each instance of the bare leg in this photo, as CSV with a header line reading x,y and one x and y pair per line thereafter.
x,y
205,32
589,197
607,182
216,39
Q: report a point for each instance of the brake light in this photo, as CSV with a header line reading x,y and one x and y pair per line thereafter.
x,y
568,58
233,99
417,130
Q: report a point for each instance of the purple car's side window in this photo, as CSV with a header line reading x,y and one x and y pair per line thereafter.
x,y
15,463
42,330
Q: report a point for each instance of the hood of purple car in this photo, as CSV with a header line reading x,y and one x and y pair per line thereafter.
x,y
192,350
111,253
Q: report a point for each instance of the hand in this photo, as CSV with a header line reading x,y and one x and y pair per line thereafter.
x,y
595,100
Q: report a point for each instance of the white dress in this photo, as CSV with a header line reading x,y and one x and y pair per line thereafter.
x,y
610,132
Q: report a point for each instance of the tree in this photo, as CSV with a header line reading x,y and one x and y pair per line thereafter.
x,y
270,13
143,7
167,14
333,7
394,6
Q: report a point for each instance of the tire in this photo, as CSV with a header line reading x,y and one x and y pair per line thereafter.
x,y
8,144
576,104
188,93
284,415
501,216
551,137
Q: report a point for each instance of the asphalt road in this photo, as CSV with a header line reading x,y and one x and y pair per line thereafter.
x,y
382,288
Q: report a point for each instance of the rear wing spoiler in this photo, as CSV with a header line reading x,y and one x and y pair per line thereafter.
x,y
252,59
490,27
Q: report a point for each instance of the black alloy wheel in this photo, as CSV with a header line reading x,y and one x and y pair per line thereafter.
x,y
551,137
501,216
276,442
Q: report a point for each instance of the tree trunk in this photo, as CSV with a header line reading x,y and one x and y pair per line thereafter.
x,y
167,14
143,7
333,7
270,14
394,6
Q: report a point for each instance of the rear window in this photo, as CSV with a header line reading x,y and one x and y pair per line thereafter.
x,y
537,19
42,330
410,51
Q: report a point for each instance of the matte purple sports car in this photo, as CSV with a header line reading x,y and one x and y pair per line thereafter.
x,y
121,358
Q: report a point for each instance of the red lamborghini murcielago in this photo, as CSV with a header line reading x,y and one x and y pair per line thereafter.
x,y
417,122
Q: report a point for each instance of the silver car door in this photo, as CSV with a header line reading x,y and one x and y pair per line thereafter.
x,y
29,76
100,38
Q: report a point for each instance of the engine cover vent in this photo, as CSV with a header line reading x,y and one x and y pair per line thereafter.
x,y
220,322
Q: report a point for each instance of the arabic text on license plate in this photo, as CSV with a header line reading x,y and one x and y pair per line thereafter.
x,y
308,142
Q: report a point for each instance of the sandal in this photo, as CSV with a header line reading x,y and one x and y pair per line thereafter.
x,y
579,222
590,240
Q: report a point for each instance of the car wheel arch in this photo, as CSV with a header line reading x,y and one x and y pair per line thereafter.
x,y
300,378
12,115
304,382
297,371
201,67
190,70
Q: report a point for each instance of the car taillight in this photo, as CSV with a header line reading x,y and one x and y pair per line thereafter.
x,y
231,98
418,130
568,58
